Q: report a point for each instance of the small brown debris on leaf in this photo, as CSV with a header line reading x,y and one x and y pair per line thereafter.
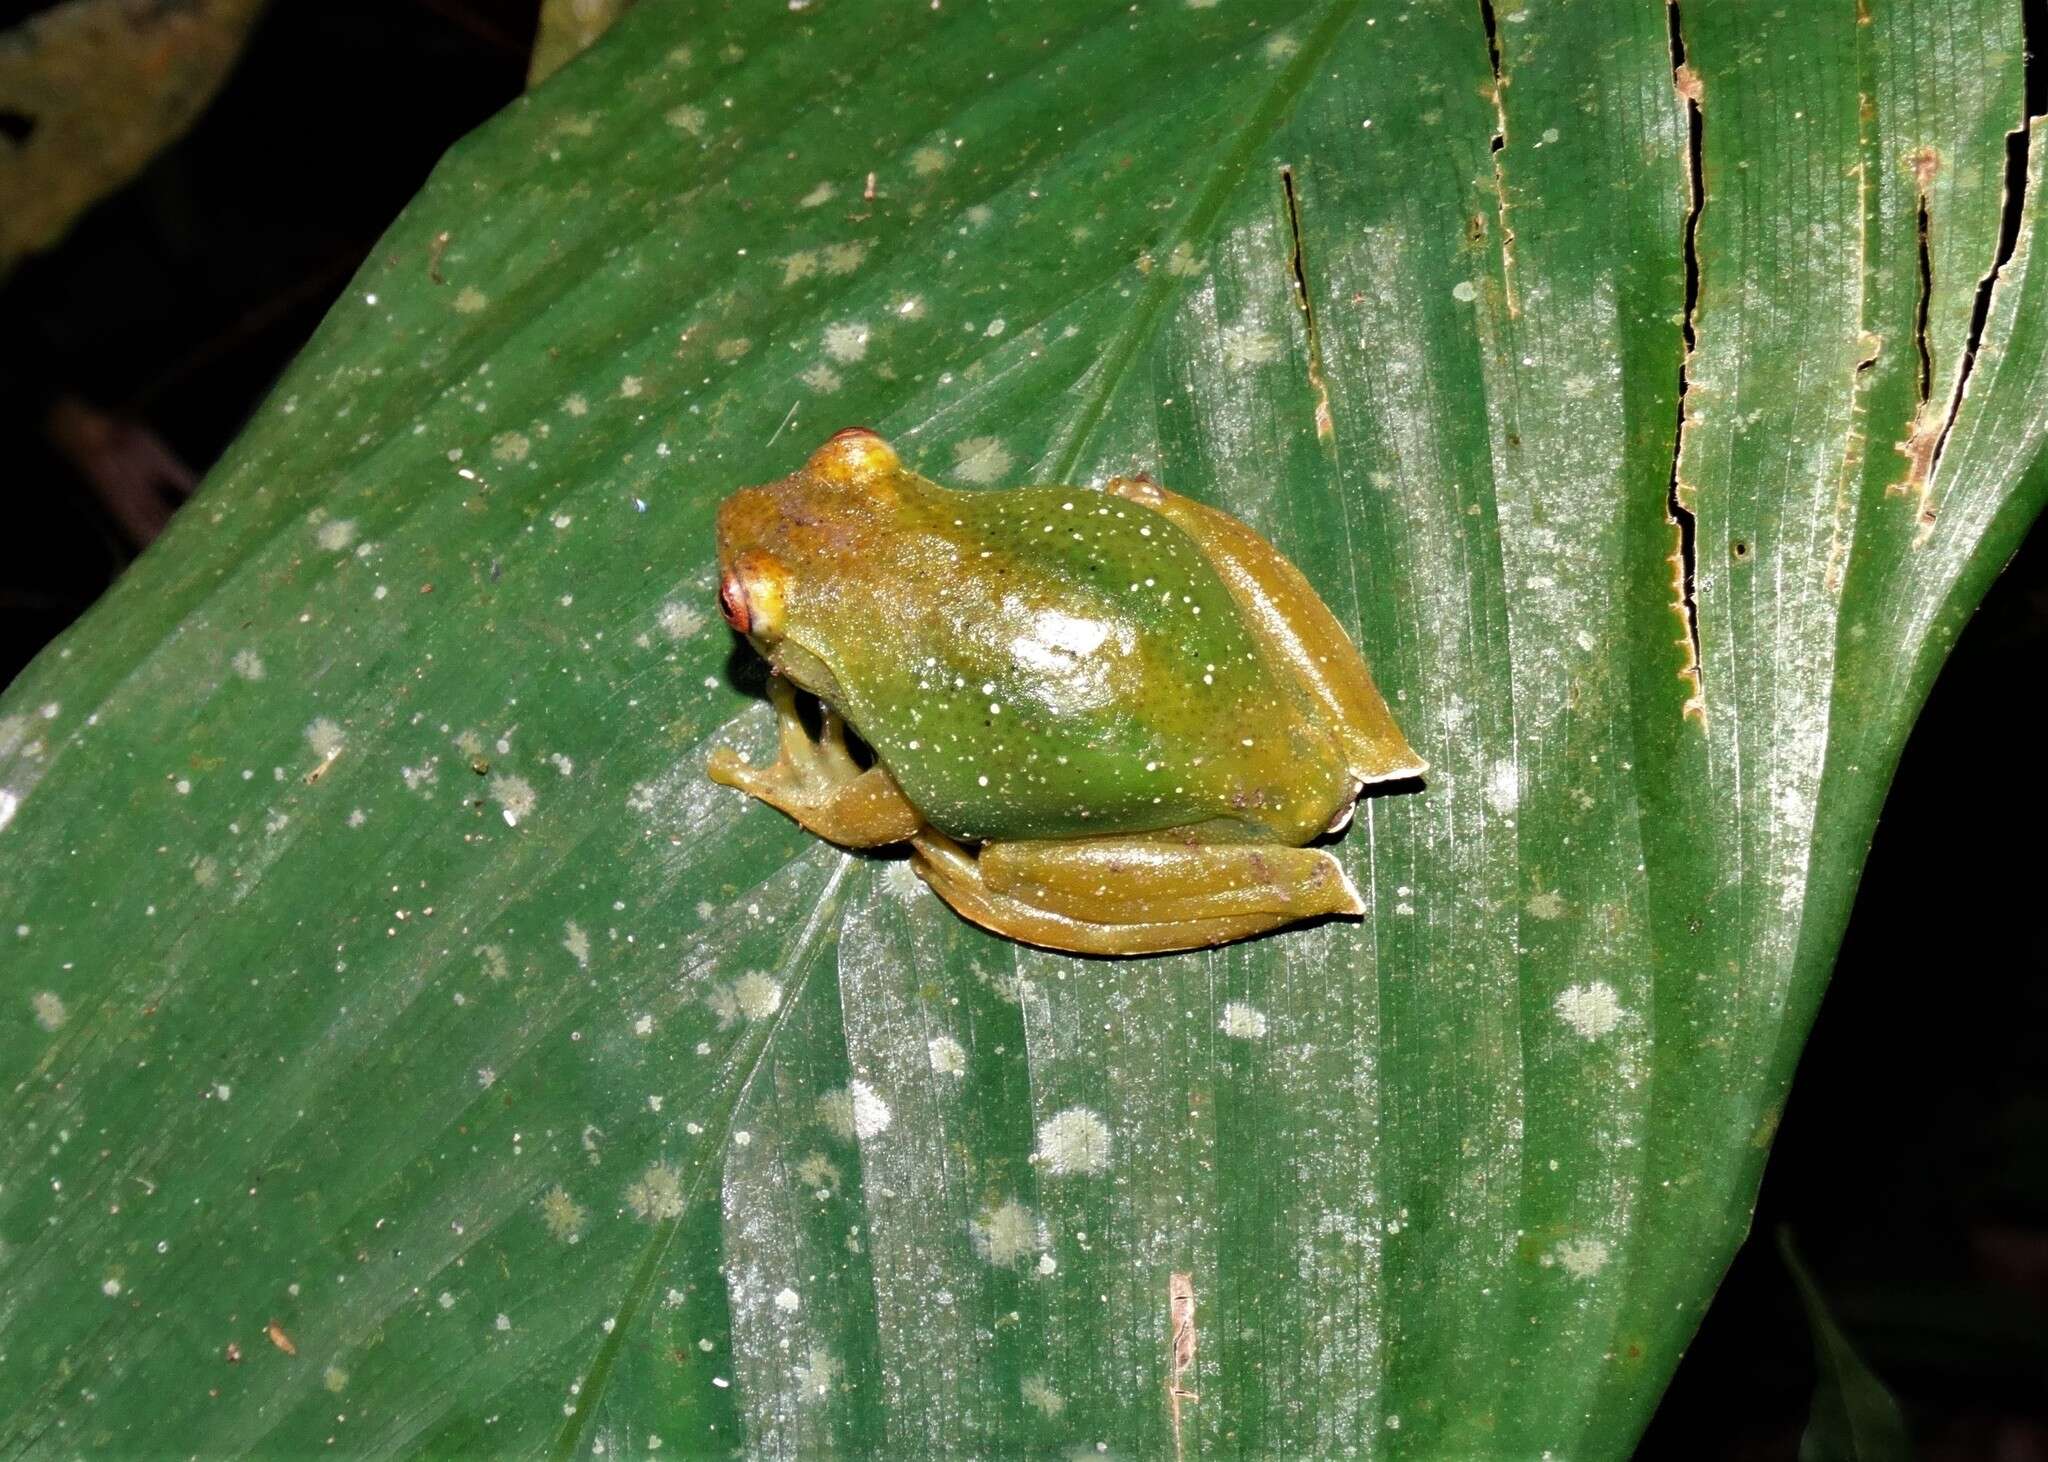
x,y
1180,1306
279,1339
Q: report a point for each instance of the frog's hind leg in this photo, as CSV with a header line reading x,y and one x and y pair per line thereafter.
x,y
817,782
1133,895
1294,625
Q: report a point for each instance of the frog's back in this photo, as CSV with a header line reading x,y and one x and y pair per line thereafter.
x,y
1068,664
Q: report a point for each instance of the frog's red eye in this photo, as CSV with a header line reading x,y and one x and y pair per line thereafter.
x,y
732,602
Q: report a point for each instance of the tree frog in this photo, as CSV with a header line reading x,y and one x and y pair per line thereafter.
x,y
1105,720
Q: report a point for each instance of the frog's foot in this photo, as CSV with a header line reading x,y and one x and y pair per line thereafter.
x,y
1133,895
817,782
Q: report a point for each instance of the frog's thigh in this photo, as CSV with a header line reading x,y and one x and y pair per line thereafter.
x,y
1294,624
1144,881
956,877
817,782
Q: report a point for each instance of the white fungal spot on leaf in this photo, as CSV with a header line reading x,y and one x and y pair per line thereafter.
x,y
1581,1258
679,620
248,664
471,300
577,943
49,1009
1245,344
335,534
1037,1391
564,1216
948,1056
1007,1233
753,996
1246,1022
1075,1141
514,795
846,341
980,460
687,119
657,1194
855,1112
326,738
1591,1009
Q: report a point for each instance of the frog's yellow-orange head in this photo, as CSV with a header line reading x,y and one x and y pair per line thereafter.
x,y
787,549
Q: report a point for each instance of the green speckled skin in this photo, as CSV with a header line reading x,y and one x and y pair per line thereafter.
x,y
1048,662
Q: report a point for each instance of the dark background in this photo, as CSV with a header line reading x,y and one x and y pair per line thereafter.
x,y
1909,1166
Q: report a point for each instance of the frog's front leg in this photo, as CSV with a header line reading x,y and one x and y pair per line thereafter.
x,y
817,782
1135,895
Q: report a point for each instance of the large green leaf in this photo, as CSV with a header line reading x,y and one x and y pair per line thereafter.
x,y
409,1049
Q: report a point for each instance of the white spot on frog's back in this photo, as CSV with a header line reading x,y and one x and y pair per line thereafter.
x,y
1075,1141
335,534
1245,1022
1007,1233
980,460
49,1010
514,795
1592,1009
846,341
855,1112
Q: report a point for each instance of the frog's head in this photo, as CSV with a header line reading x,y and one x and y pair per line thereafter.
x,y
788,551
